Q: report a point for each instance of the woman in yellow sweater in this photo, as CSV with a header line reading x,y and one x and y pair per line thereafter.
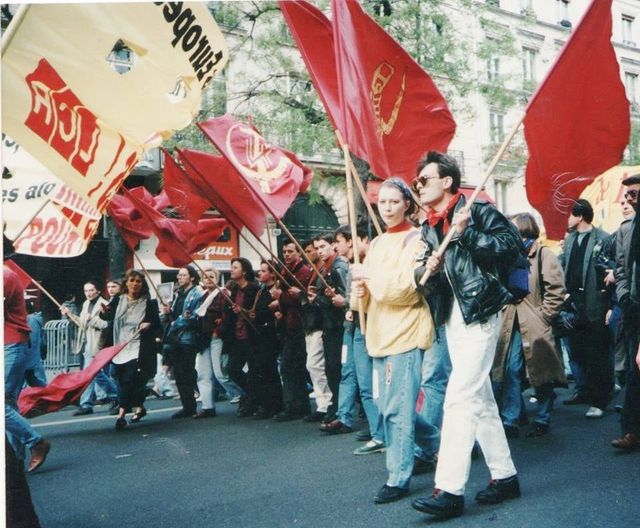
x,y
399,329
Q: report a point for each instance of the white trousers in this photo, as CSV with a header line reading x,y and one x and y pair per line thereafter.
x,y
315,366
470,410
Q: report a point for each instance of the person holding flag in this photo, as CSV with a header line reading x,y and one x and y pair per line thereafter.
x,y
471,296
398,331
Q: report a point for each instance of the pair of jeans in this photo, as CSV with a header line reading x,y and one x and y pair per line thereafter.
x,y
19,431
470,410
209,369
509,392
436,369
348,381
103,381
396,382
183,364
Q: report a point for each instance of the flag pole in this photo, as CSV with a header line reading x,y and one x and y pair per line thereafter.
x,y
72,317
40,209
146,272
476,192
350,167
16,22
354,231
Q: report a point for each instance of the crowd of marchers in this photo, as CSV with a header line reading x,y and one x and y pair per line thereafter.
x,y
424,333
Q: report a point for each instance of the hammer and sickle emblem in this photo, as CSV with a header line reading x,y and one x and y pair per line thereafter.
x,y
381,78
259,162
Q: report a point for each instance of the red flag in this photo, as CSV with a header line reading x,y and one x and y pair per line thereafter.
x,y
128,221
64,389
24,278
313,34
184,196
391,109
177,239
208,230
226,189
172,235
577,123
274,175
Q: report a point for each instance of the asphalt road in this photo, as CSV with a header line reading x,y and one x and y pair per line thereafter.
x,y
245,473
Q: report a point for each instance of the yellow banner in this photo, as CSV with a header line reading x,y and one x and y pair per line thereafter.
x,y
86,88
605,194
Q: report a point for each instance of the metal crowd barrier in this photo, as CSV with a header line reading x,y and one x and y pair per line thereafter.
x,y
60,337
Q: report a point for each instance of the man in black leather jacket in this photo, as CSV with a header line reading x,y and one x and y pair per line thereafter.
x,y
466,292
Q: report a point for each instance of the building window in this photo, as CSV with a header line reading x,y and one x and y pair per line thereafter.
x,y
562,12
496,127
631,85
493,69
627,30
529,65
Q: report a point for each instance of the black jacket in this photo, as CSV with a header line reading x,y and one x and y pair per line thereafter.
x,y
471,265
332,316
228,328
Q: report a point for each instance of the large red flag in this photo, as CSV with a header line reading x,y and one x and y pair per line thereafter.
x,y
177,239
313,34
226,190
183,194
64,389
391,109
577,124
274,174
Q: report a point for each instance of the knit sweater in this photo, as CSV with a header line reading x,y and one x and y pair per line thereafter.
x,y
398,317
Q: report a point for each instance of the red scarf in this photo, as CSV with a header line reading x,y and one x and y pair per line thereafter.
x,y
405,225
434,218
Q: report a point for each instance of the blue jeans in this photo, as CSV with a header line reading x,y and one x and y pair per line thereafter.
x,y
509,392
397,379
19,430
101,381
348,382
545,396
436,369
357,373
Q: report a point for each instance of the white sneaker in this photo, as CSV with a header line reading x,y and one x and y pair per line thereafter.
x,y
235,399
594,412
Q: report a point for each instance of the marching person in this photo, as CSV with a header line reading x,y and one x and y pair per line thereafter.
x,y
180,340
135,320
398,331
526,337
88,344
467,278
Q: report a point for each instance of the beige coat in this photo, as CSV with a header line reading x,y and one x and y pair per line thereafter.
x,y
541,355
91,326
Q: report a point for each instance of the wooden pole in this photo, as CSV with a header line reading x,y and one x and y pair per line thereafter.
x,y
354,231
15,24
269,263
146,272
31,220
476,192
72,317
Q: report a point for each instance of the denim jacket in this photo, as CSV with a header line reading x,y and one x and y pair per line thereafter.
x,y
187,327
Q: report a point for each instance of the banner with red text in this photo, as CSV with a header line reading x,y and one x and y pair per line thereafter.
x,y
48,218
86,88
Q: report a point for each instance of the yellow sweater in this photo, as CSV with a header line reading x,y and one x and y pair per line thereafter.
x,y
398,317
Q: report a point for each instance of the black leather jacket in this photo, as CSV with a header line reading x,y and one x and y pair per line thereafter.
x,y
470,265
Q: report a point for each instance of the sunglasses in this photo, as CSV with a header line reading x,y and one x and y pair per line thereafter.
x,y
422,180
631,193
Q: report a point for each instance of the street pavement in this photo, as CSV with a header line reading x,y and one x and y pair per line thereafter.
x,y
232,472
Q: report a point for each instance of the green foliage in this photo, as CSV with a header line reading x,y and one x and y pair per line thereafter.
x,y
632,154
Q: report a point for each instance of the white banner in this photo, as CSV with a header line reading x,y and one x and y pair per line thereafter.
x,y
58,222
86,88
